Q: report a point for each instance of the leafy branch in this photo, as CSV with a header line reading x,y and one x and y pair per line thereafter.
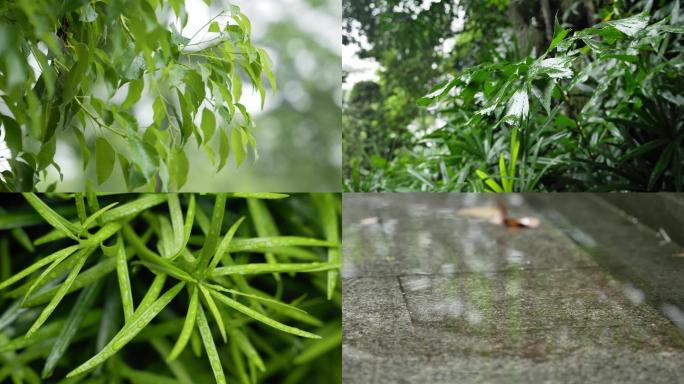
x,y
115,54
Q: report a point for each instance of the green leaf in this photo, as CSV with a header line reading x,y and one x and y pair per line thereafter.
x,y
127,210
266,64
661,165
188,325
81,256
210,347
140,319
58,255
180,166
135,89
214,27
224,149
262,318
71,326
238,147
90,220
144,156
559,34
215,312
489,181
225,242
159,110
258,268
265,243
76,73
214,231
105,159
506,183
124,280
630,26
53,218
208,124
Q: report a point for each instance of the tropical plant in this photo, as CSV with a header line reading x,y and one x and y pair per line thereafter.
x,y
168,288
81,68
596,109
580,80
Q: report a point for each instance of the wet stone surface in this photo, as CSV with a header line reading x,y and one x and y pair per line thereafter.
x,y
429,296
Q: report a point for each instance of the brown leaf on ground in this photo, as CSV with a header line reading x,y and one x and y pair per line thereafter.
x,y
484,213
499,215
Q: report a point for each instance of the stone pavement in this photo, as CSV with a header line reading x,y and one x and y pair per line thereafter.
x,y
432,297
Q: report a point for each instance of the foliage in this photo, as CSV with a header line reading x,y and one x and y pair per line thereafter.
x,y
598,109
170,288
83,66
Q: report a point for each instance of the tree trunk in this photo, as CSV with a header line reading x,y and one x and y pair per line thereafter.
x,y
548,23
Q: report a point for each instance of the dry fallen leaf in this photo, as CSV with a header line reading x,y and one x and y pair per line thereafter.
x,y
369,221
485,213
680,254
499,215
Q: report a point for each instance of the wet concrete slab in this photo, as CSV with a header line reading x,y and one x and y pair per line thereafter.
x,y
435,297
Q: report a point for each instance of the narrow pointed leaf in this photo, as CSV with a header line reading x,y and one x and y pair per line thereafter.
x,y
141,318
261,317
210,347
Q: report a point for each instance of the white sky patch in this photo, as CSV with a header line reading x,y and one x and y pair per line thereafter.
x,y
5,153
359,69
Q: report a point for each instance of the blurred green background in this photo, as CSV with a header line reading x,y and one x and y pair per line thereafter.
x,y
299,130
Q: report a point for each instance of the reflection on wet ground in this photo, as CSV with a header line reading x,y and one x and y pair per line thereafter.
x,y
436,297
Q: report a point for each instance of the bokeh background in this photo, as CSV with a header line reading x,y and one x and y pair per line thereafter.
x,y
299,130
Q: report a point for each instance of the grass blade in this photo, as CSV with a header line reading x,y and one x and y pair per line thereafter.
x,y
77,315
258,268
210,347
188,325
262,318
141,318
82,256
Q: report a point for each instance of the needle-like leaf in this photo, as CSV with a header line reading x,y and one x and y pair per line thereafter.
x,y
124,280
257,268
210,347
81,256
261,317
76,317
141,318
215,312
225,242
60,223
265,243
61,254
211,240
188,325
